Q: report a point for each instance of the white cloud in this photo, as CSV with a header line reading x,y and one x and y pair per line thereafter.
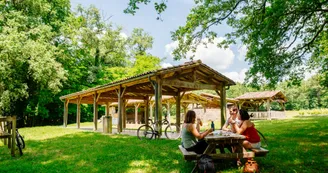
x,y
242,53
237,76
217,58
165,65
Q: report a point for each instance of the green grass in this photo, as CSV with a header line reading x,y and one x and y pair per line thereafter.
x,y
298,144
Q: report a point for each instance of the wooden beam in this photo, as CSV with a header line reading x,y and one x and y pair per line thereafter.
x,y
65,112
98,96
223,104
95,112
159,104
78,112
178,108
191,85
136,106
146,110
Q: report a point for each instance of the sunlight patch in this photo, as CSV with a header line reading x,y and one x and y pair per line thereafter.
x,y
140,163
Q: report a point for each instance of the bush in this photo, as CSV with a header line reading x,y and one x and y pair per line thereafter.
x,y
313,112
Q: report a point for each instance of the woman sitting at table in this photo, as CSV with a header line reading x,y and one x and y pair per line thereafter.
x,y
233,118
192,140
247,128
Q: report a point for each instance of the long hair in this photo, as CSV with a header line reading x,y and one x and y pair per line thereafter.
x,y
189,116
244,114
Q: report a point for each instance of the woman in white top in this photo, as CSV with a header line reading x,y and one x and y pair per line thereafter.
x,y
233,118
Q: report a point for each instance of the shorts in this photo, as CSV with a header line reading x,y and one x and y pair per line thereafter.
x,y
256,145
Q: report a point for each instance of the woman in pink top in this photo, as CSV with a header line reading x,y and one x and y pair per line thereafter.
x,y
247,128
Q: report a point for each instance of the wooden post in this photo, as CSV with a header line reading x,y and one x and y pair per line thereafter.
x,y
65,112
151,110
136,106
268,109
177,103
146,110
168,111
13,142
159,104
120,104
95,112
223,104
125,102
121,109
78,112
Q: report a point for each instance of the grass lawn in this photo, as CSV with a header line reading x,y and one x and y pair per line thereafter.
x,y
299,144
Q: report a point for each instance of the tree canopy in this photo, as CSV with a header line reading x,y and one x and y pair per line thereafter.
x,y
284,38
47,50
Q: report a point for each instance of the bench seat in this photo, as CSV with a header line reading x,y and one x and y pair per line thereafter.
x,y
189,155
4,134
260,152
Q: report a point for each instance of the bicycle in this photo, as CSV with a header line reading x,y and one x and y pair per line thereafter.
x,y
172,131
20,143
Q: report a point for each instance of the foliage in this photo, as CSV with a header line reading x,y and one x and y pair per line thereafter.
x,y
280,35
314,112
48,51
29,67
309,95
140,41
294,144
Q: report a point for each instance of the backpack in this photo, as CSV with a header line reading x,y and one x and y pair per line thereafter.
x,y
205,164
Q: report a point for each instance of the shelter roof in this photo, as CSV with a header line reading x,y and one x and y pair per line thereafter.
x,y
273,95
189,76
188,97
216,97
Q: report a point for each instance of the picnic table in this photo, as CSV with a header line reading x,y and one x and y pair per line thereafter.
x,y
220,139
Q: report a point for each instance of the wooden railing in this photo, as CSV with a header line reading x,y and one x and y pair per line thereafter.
x,y
8,132
264,115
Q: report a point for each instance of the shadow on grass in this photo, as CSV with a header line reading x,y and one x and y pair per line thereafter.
x,y
94,152
296,145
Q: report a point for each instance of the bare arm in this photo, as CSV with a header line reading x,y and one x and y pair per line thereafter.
x,y
243,127
225,126
198,135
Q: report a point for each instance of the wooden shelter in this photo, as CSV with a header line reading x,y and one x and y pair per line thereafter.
x,y
167,101
214,100
172,81
253,100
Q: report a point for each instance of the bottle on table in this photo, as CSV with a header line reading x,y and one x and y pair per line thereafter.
x,y
212,125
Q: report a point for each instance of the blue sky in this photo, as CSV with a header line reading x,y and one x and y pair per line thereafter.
x,y
229,62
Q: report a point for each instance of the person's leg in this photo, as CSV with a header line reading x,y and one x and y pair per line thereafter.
x,y
247,145
199,148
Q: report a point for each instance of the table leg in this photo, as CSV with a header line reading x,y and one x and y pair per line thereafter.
x,y
209,148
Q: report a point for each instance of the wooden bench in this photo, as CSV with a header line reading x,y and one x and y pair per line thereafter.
x,y
189,155
8,134
260,152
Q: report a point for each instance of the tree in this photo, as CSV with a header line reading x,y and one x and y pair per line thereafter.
x,y
30,72
95,43
140,41
283,38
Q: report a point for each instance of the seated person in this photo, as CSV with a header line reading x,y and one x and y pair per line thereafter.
x,y
247,128
199,123
233,118
191,138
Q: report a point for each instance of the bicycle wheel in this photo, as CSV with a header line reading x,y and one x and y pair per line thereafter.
x,y
172,131
19,145
145,132
21,140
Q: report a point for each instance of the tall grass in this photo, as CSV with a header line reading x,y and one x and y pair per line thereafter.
x,y
296,145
